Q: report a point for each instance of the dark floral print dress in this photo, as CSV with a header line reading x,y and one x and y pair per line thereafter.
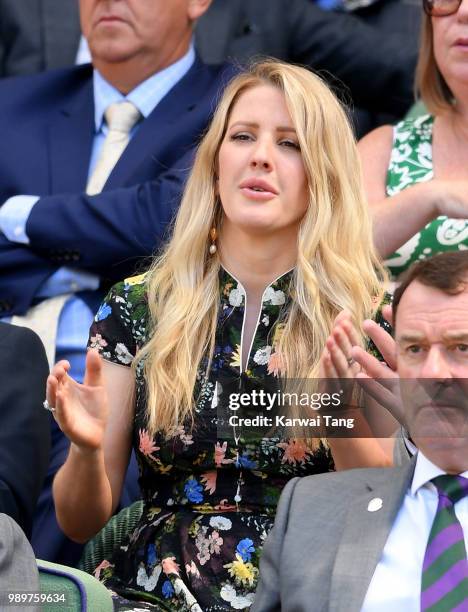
x,y
209,501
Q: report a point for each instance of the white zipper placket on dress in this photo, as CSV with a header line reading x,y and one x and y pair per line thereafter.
x,y
238,496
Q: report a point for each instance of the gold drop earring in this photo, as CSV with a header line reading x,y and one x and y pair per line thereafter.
x,y
213,236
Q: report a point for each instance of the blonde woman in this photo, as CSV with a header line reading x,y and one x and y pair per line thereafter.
x,y
271,242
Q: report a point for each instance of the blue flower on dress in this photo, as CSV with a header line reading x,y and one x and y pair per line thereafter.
x,y
246,463
193,491
152,557
245,548
103,312
167,589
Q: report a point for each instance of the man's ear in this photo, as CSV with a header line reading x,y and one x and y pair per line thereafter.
x,y
196,8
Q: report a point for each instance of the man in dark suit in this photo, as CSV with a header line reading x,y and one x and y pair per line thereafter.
x,y
24,430
62,142
380,540
376,65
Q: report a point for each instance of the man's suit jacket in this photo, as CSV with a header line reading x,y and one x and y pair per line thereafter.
x,y
378,69
18,568
37,35
47,127
325,544
376,65
24,429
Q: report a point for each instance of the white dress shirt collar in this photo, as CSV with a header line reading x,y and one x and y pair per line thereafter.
x,y
425,471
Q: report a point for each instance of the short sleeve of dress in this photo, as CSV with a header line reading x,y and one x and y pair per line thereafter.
x,y
119,327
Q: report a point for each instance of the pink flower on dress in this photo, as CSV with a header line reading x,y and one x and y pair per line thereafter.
x,y
102,566
147,446
170,566
97,342
295,451
274,364
185,438
220,452
216,541
209,481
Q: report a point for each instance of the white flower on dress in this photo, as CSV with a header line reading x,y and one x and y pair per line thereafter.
x,y
123,354
277,298
262,356
266,320
220,522
238,602
452,231
401,154
148,582
236,296
424,152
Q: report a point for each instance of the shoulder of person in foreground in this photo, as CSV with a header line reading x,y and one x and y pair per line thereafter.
x,y
18,568
25,431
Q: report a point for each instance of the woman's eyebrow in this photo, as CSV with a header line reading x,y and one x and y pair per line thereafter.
x,y
253,124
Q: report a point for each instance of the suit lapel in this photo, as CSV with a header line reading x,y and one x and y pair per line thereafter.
x,y
71,133
364,538
140,159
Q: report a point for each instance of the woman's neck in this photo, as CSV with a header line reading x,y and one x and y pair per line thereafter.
x,y
257,260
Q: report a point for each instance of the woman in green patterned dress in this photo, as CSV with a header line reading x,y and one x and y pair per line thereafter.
x,y
265,254
416,173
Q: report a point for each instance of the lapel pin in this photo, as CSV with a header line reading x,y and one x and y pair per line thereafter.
x,y
374,504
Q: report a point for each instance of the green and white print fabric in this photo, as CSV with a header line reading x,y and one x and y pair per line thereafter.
x,y
411,163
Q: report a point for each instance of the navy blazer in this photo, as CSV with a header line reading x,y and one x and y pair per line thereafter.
x,y
47,127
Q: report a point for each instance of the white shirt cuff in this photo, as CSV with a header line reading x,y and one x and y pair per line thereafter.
x,y
14,215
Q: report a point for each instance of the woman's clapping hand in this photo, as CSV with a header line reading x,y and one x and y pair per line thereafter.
x,y
81,410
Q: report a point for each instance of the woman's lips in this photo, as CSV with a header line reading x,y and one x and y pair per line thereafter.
x,y
259,196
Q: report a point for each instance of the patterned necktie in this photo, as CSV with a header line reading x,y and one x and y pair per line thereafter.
x,y
120,118
445,570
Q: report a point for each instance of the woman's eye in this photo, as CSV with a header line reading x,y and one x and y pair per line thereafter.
x,y
413,349
290,143
242,136
463,348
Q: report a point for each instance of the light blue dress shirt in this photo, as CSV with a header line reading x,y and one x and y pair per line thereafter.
x,y
76,317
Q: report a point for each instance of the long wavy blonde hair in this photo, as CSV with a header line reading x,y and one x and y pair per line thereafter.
x,y
337,266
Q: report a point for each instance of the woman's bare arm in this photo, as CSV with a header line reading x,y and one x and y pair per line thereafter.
x,y
398,218
97,417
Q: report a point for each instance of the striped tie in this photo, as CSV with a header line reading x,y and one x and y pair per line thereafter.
x,y
444,585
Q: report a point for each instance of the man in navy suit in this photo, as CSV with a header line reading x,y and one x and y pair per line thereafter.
x,y
55,130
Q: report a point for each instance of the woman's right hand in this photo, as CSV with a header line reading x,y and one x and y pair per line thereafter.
x,y
81,410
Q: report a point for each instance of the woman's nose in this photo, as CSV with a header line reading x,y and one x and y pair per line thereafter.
x,y
262,156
